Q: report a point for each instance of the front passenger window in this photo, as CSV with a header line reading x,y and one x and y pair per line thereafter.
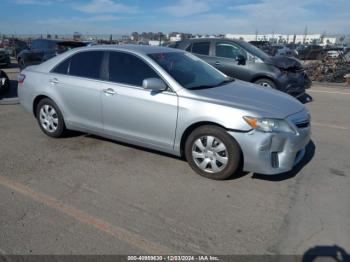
x,y
228,50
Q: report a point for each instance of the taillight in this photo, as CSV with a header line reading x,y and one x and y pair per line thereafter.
x,y
21,78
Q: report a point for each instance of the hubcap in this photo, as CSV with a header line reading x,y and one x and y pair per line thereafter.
x,y
210,154
48,118
265,84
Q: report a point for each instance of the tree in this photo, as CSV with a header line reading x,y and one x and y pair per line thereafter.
x,y
305,35
77,36
135,36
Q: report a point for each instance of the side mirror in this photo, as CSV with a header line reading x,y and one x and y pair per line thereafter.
x,y
154,84
240,59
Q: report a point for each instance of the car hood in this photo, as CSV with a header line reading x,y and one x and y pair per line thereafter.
x,y
285,63
262,101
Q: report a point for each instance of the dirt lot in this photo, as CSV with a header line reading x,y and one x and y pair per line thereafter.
x,y
89,195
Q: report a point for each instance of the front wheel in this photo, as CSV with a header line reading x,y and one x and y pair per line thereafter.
x,y
50,118
265,82
212,152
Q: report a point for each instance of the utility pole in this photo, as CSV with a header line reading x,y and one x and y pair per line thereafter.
x,y
305,35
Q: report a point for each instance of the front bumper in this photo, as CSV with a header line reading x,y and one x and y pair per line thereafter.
x,y
273,153
294,84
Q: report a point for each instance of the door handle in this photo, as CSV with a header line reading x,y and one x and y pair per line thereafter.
x,y
109,91
217,63
54,81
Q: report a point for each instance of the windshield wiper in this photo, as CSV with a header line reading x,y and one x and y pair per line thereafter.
x,y
227,80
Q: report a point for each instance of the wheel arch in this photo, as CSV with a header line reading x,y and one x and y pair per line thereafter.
x,y
36,101
256,78
192,127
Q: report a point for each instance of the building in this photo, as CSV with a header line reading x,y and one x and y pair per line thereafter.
x,y
282,38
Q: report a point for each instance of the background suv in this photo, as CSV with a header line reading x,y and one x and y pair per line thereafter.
x,y
246,62
44,49
5,60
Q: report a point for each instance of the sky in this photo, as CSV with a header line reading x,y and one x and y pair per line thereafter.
x,y
191,16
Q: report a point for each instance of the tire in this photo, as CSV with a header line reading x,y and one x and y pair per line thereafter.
x,y
4,88
50,118
209,161
265,82
21,64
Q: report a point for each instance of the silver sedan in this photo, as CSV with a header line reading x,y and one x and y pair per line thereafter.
x,y
171,101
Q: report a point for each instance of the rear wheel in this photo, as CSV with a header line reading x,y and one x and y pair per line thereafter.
x,y
50,118
265,82
212,152
21,64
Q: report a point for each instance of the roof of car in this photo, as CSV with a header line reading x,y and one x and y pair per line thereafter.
x,y
144,49
213,39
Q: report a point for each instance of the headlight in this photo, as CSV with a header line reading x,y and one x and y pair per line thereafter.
x,y
269,124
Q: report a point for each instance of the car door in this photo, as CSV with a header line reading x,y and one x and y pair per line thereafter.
x,y
226,54
132,113
77,87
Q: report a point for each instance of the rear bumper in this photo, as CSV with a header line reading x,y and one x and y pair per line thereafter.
x,y
5,61
272,153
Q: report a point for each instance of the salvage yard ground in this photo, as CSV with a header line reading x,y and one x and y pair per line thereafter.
x,y
88,195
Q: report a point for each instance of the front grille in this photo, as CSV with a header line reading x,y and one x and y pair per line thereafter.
x,y
303,124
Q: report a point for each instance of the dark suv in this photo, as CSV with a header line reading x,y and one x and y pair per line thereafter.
x,y
244,61
44,49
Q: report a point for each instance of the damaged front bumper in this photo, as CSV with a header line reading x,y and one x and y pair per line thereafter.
x,y
275,153
294,83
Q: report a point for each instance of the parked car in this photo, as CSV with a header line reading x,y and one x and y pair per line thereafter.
x,y
262,45
15,46
44,49
4,83
282,50
334,54
5,59
246,62
310,52
168,100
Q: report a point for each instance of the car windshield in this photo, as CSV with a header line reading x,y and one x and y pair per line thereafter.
x,y
254,50
190,71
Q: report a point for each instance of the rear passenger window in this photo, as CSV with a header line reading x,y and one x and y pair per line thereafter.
x,y
201,48
128,69
86,64
62,68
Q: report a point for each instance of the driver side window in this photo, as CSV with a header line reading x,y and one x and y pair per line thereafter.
x,y
228,50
